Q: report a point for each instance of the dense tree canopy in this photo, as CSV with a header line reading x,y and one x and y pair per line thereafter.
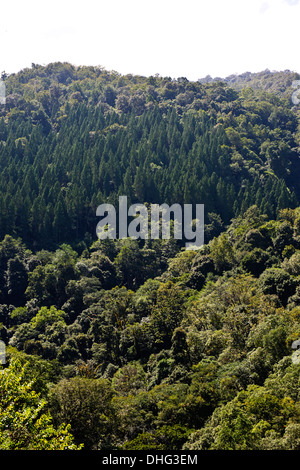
x,y
141,344
72,138
197,354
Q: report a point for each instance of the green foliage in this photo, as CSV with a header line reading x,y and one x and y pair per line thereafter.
x,y
46,317
164,438
278,282
244,421
85,404
25,422
196,355
72,138
133,344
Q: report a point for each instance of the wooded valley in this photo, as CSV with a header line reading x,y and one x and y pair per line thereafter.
x,y
141,344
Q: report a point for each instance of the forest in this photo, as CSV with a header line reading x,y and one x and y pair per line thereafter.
x,y
132,344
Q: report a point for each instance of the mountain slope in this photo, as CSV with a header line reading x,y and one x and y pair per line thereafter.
x,y
72,138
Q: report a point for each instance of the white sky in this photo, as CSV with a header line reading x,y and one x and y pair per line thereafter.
x,y
190,38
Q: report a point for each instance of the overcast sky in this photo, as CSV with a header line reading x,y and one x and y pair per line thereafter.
x,y
190,38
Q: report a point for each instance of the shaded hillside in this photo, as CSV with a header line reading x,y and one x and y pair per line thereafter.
x,y
74,137
133,345
197,353
279,83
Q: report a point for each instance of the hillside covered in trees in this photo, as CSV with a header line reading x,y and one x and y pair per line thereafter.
x,y
132,344
72,138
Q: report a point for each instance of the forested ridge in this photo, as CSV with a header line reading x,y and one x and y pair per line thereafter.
x,y
131,344
73,138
